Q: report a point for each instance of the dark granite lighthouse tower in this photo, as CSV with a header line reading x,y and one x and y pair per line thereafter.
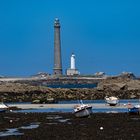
x,y
57,49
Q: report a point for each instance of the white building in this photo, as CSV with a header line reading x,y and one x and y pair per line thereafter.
x,y
72,70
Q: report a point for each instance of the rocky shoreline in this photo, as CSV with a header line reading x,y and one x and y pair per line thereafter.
x,y
65,126
124,88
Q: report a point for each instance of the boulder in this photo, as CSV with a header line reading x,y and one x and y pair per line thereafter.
x,y
51,100
36,101
133,96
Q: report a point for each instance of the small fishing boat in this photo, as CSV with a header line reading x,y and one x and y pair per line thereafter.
x,y
112,101
133,109
82,110
3,107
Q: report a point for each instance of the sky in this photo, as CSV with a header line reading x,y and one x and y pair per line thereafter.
x,y
103,34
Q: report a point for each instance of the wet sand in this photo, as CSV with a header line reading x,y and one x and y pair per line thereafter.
x,y
65,126
65,106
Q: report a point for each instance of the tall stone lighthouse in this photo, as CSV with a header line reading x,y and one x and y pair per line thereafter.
x,y
57,49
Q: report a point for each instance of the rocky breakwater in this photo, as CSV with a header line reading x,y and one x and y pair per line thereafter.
x,y
124,88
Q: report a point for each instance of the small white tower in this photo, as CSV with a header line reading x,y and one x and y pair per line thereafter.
x,y
72,60
72,70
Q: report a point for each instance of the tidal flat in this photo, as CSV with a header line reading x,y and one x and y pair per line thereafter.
x,y
65,126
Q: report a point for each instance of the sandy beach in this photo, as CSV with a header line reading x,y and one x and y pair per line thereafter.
x,y
65,106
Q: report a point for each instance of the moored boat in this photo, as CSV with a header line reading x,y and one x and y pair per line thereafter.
x,y
82,110
133,109
112,100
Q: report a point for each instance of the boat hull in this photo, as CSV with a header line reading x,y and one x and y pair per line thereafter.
x,y
134,110
112,102
84,112
89,109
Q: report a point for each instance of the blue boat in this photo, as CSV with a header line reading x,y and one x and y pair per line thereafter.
x,y
134,110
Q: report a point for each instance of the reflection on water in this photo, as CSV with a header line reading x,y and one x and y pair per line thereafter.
x,y
10,132
15,131
51,117
31,126
57,118
63,120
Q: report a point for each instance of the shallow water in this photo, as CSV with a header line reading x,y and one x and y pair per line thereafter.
x,y
73,86
104,109
54,117
15,131
31,126
44,110
10,132
97,110
57,118
63,120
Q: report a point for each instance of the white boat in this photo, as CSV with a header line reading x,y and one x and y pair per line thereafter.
x,y
3,107
82,110
112,101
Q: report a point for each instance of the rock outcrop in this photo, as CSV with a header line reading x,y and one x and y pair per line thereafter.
x,y
124,88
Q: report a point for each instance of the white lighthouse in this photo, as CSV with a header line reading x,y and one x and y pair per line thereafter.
x,y
72,61
72,70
